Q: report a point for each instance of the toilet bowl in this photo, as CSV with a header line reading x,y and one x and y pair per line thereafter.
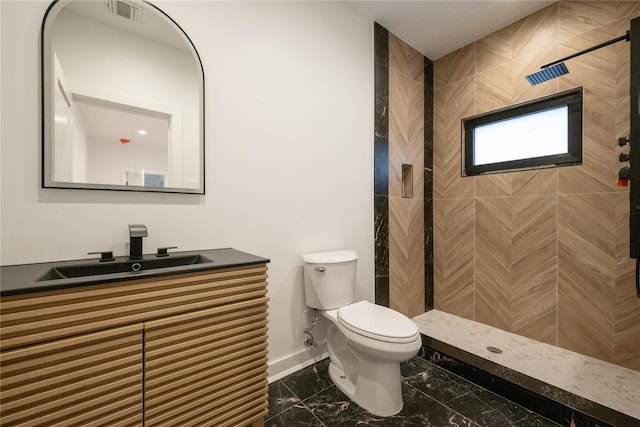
x,y
366,342
365,359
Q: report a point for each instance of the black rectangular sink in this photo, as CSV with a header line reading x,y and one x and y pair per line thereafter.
x,y
99,268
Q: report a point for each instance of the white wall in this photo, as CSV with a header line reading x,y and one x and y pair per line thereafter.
x,y
289,151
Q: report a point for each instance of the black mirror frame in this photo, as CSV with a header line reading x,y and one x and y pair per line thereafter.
x,y
45,167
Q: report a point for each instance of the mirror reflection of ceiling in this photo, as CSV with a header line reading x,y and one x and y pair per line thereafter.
x,y
148,25
98,121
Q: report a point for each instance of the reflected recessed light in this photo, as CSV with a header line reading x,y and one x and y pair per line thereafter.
x,y
142,132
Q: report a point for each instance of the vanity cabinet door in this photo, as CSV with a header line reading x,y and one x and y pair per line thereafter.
x,y
93,379
207,367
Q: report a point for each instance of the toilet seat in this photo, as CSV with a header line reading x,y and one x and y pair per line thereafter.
x,y
377,322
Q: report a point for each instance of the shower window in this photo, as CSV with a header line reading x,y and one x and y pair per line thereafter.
x,y
546,132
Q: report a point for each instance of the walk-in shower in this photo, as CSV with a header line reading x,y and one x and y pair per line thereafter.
x,y
558,68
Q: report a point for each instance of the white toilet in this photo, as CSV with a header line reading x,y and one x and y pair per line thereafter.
x,y
366,342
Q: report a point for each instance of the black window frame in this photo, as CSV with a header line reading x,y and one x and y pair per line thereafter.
x,y
571,98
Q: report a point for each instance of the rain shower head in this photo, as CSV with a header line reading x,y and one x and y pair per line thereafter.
x,y
557,68
548,73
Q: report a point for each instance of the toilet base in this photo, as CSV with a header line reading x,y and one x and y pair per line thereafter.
x,y
380,395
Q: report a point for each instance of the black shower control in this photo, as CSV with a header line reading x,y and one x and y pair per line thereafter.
x,y
622,141
623,176
624,157
624,173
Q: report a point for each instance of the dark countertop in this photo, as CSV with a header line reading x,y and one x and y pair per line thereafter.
x,y
27,278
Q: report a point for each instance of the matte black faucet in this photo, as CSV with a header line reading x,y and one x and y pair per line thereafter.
x,y
136,233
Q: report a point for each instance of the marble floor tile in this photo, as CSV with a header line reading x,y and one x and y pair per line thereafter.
x,y
310,380
482,406
296,416
335,409
432,397
280,398
433,381
488,410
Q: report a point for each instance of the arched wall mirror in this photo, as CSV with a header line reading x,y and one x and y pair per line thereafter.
x,y
122,99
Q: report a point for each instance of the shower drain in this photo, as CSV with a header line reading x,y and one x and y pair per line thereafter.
x,y
495,350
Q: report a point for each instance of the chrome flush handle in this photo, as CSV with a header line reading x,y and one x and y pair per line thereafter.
x,y
321,269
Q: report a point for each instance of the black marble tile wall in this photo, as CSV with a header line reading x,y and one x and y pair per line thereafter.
x,y
432,397
428,184
381,164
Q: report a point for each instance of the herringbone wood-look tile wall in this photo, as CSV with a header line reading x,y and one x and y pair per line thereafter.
x,y
406,146
540,253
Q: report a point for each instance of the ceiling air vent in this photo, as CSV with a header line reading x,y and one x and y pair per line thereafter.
x,y
125,10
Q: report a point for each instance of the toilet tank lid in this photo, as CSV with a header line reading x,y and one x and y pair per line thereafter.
x,y
330,257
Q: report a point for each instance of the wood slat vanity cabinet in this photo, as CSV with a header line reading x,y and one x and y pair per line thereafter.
x,y
180,350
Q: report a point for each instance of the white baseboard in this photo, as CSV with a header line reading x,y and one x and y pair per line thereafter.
x,y
287,365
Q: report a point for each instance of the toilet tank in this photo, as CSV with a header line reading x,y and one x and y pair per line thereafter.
x,y
330,279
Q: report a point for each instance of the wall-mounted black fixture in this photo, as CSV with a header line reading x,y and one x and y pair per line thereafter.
x,y
634,149
623,176
547,72
558,68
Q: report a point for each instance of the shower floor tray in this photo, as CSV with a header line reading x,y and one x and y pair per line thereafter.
x,y
599,389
